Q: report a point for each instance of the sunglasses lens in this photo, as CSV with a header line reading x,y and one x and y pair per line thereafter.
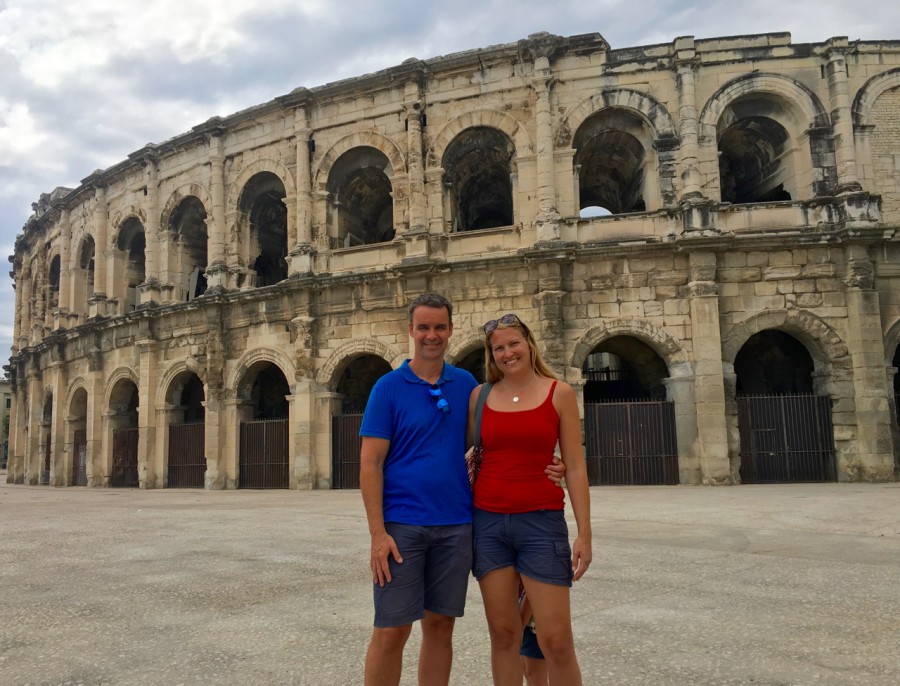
x,y
490,326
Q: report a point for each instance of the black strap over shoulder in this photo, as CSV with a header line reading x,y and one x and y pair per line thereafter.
x,y
479,406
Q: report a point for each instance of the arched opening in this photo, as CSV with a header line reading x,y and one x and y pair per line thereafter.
x,y
478,167
53,284
609,160
78,436
629,424
474,364
263,211
85,283
188,226
132,242
786,432
354,386
186,455
756,158
361,201
123,422
264,410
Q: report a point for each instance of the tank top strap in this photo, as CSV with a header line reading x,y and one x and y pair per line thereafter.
x,y
550,394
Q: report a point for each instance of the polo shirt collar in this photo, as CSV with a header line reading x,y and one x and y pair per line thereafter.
x,y
410,376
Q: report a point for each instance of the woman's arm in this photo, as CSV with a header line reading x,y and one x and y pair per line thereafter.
x,y
576,474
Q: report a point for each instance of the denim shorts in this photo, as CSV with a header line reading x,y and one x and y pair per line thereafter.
x,y
434,575
536,544
530,647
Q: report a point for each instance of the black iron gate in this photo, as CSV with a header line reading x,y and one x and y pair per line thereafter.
x,y
187,455
125,462
786,438
345,446
264,454
79,458
631,443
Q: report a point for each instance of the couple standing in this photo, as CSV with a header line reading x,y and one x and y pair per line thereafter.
x,y
420,507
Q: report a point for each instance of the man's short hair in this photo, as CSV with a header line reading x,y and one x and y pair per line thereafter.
x,y
434,300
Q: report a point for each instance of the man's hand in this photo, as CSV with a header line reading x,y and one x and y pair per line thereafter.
x,y
556,471
383,545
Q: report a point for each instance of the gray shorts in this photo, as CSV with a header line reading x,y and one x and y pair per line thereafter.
x,y
434,575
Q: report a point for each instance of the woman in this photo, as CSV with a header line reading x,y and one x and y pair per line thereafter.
x,y
519,522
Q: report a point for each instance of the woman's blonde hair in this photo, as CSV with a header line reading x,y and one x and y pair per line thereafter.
x,y
538,366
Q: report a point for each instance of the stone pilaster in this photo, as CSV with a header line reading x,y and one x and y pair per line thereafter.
x,y
97,301
149,451
688,122
60,453
64,304
548,217
865,342
150,289
709,386
841,116
33,428
302,250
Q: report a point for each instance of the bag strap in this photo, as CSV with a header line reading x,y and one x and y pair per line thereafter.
x,y
479,406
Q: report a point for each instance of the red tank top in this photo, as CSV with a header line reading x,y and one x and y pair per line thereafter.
x,y
516,448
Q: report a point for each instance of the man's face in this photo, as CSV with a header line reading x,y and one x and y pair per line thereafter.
x,y
430,329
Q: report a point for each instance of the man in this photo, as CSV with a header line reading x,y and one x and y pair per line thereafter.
x,y
417,498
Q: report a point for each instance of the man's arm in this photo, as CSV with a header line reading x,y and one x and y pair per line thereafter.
x,y
371,483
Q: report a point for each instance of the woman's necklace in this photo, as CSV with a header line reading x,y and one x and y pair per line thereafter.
x,y
515,398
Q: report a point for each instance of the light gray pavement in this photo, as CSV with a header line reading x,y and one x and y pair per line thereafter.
x,y
788,584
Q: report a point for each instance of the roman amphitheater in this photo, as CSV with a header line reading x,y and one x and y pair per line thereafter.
x,y
703,235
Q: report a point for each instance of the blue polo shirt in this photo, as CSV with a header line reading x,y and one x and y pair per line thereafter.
x,y
425,480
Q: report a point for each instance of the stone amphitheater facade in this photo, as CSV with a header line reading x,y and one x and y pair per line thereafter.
x,y
700,219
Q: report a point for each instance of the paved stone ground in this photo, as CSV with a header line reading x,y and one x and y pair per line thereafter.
x,y
763,585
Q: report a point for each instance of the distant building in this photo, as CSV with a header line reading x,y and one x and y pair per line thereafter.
x,y
704,234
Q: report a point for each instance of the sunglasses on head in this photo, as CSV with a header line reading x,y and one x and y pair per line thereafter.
x,y
442,403
506,320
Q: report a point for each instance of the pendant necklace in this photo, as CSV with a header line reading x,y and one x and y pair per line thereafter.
x,y
515,398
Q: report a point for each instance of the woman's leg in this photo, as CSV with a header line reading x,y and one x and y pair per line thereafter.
x,y
500,593
553,625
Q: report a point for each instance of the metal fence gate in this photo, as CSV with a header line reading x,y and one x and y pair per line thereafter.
x,y
786,438
345,447
125,463
187,455
79,458
264,454
631,443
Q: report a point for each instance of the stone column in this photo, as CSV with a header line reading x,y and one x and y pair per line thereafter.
x,y
60,453
302,251
97,302
548,218
549,303
841,116
99,451
216,267
305,472
217,451
64,304
15,472
874,460
149,458
680,390
150,289
23,307
415,113
709,386
688,123
33,428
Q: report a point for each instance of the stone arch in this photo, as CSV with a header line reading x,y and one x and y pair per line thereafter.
x,y
891,342
120,217
784,88
236,188
176,196
190,366
486,118
463,343
237,378
825,346
644,106
662,343
869,93
119,374
358,139
330,372
78,383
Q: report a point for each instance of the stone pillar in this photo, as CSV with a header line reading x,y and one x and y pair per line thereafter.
x,y
709,386
64,304
218,452
15,469
874,459
549,304
688,123
841,116
306,472
150,289
302,251
216,268
415,115
97,302
33,428
23,307
99,450
548,218
680,390
60,453
149,459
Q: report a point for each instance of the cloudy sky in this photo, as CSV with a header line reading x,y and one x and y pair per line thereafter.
x,y
82,84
